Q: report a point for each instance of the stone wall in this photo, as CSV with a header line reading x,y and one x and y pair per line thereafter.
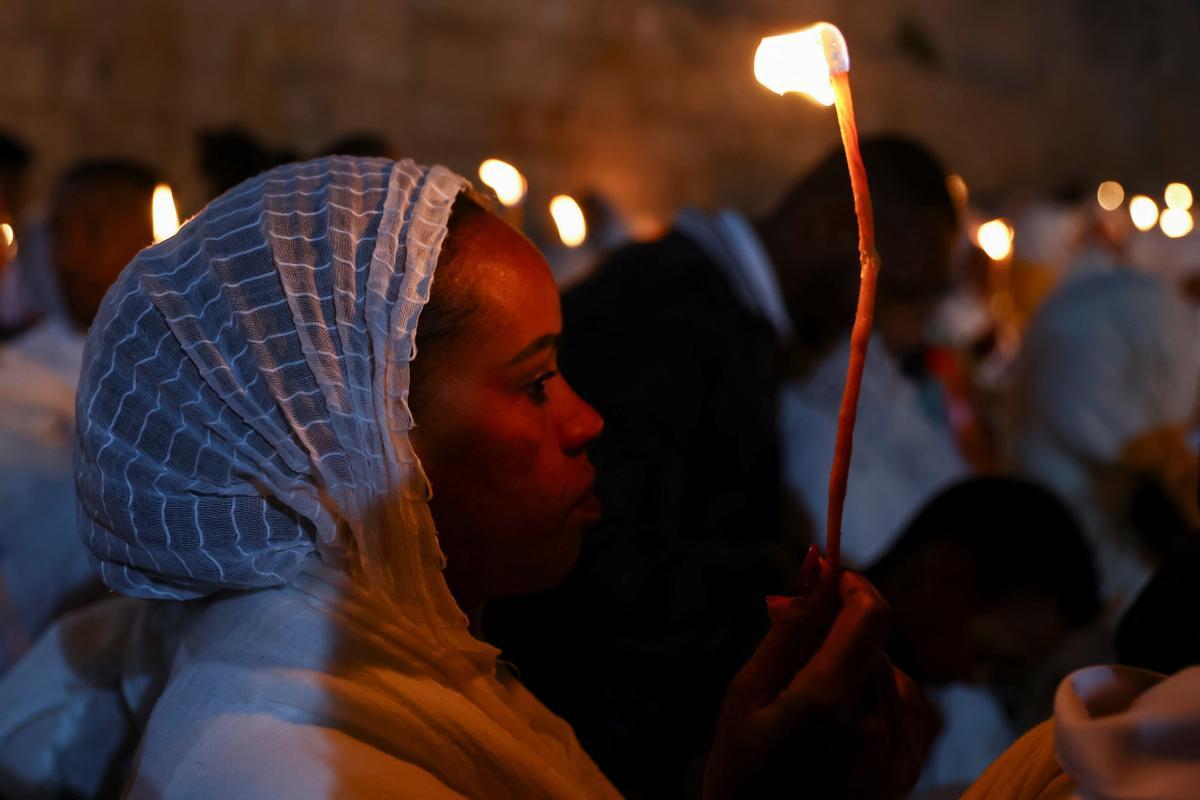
x,y
651,101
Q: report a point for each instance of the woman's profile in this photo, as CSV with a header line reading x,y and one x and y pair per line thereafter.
x,y
324,425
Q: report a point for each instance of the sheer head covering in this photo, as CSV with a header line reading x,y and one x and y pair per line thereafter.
x,y
243,402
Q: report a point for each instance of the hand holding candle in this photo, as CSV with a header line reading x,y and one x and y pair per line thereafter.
x,y
815,61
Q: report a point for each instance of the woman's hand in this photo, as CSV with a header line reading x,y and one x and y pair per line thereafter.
x,y
819,710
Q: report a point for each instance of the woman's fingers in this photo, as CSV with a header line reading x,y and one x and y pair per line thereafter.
x,y
799,625
850,653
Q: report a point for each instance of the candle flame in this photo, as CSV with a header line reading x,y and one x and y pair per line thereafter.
x,y
504,179
568,218
1175,222
803,61
1110,195
6,233
995,238
1143,211
1178,196
163,213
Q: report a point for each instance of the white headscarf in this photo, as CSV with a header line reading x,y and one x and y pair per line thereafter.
x,y
243,402
244,423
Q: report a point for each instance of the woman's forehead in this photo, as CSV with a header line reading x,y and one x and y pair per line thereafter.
x,y
513,289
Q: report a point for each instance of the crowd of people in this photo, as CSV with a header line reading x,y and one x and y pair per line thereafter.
x,y
387,510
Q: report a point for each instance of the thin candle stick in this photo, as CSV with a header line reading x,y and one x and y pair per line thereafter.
x,y
860,336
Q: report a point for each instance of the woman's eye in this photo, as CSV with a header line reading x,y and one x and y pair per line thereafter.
x,y
537,389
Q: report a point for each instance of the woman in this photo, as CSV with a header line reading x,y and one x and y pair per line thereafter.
x,y
249,447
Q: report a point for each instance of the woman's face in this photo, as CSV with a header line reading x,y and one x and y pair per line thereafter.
x,y
501,435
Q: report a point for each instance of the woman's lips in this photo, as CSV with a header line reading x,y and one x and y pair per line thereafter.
x,y
589,506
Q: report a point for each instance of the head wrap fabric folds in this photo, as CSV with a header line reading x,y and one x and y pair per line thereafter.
x,y
243,401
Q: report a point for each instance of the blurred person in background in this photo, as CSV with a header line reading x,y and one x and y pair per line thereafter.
x,y
17,310
100,218
359,143
683,345
990,575
228,156
1104,394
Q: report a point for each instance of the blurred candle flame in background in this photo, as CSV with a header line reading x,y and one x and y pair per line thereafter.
x,y
163,212
957,187
1110,195
803,61
504,179
1143,211
1178,196
568,218
6,233
1175,222
995,238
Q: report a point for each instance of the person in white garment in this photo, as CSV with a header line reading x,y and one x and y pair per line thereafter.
x,y
1105,391
1118,733
322,461
100,218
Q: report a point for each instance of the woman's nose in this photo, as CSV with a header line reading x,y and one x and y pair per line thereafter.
x,y
581,424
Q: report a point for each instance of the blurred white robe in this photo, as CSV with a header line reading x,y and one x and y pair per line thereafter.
x,y
1110,357
42,560
312,690
902,457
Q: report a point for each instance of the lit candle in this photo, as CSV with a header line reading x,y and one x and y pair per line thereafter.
x,y
510,187
816,62
568,218
505,180
163,214
1143,211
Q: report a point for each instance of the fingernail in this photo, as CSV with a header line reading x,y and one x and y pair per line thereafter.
x,y
777,604
809,570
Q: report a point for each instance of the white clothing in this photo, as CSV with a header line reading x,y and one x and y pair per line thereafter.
x,y
75,704
42,561
1125,734
902,457
975,732
313,690
1109,357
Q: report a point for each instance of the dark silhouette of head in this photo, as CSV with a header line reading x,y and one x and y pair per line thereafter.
x,y
14,166
229,156
812,237
99,220
988,576
362,144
